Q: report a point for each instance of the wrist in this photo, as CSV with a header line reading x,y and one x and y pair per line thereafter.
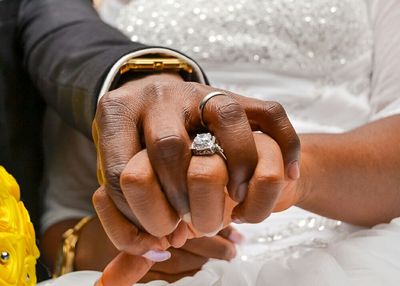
x,y
304,183
65,259
94,250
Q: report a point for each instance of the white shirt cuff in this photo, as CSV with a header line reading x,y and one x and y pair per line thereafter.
x,y
115,68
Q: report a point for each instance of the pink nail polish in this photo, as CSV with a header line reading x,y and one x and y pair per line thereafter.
x,y
157,255
294,170
237,220
236,237
187,218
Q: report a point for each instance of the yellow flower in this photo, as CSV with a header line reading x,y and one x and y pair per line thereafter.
x,y
18,250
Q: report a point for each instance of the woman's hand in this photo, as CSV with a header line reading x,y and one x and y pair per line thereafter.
x,y
188,260
159,112
94,251
185,261
211,206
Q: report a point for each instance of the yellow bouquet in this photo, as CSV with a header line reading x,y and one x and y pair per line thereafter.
x,y
18,250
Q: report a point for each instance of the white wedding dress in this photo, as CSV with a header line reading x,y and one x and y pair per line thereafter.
x,y
333,64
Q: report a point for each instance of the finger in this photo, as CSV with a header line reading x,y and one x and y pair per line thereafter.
x,y
123,234
170,278
232,234
227,120
211,247
117,139
179,236
124,270
180,261
271,118
207,178
167,144
265,185
145,198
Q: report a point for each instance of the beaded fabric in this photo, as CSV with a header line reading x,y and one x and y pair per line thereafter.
x,y
303,37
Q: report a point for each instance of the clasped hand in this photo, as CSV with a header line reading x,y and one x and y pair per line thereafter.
x,y
154,194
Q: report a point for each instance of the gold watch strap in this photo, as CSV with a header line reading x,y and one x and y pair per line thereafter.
x,y
155,64
66,256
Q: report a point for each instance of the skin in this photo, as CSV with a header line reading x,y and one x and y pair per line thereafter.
x,y
207,177
206,182
160,111
94,251
351,176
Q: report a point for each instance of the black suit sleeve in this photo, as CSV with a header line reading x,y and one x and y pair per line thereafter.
x,y
68,51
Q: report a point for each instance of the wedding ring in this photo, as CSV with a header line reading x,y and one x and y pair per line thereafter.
x,y
205,144
204,101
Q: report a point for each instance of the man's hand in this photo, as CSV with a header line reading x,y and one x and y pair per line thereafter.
x,y
160,112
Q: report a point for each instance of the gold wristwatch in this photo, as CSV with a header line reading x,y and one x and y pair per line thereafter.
x,y
154,64
66,255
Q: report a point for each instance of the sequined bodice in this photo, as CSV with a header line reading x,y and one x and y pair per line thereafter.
x,y
307,37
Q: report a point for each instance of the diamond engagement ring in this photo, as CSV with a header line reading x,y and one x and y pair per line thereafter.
x,y
205,144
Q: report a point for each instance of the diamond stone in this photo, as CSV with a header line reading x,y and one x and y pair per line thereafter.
x,y
203,141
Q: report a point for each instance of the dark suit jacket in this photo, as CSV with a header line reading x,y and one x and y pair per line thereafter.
x,y
61,50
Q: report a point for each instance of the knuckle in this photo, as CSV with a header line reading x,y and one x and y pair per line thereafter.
x,y
275,110
110,102
114,106
112,176
275,179
157,89
201,175
135,179
229,111
170,146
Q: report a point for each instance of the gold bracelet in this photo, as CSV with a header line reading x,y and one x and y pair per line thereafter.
x,y
66,255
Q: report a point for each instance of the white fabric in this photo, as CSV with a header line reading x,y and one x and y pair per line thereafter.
x,y
365,258
367,88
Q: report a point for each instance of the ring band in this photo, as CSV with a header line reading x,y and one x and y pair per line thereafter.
x,y
204,101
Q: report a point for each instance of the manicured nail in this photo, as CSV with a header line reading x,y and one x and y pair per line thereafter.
x,y
187,217
157,255
236,237
294,170
211,234
99,282
237,220
241,192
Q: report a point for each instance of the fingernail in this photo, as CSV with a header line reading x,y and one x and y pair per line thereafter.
x,y
241,192
294,170
236,237
187,217
157,255
211,234
99,282
237,220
